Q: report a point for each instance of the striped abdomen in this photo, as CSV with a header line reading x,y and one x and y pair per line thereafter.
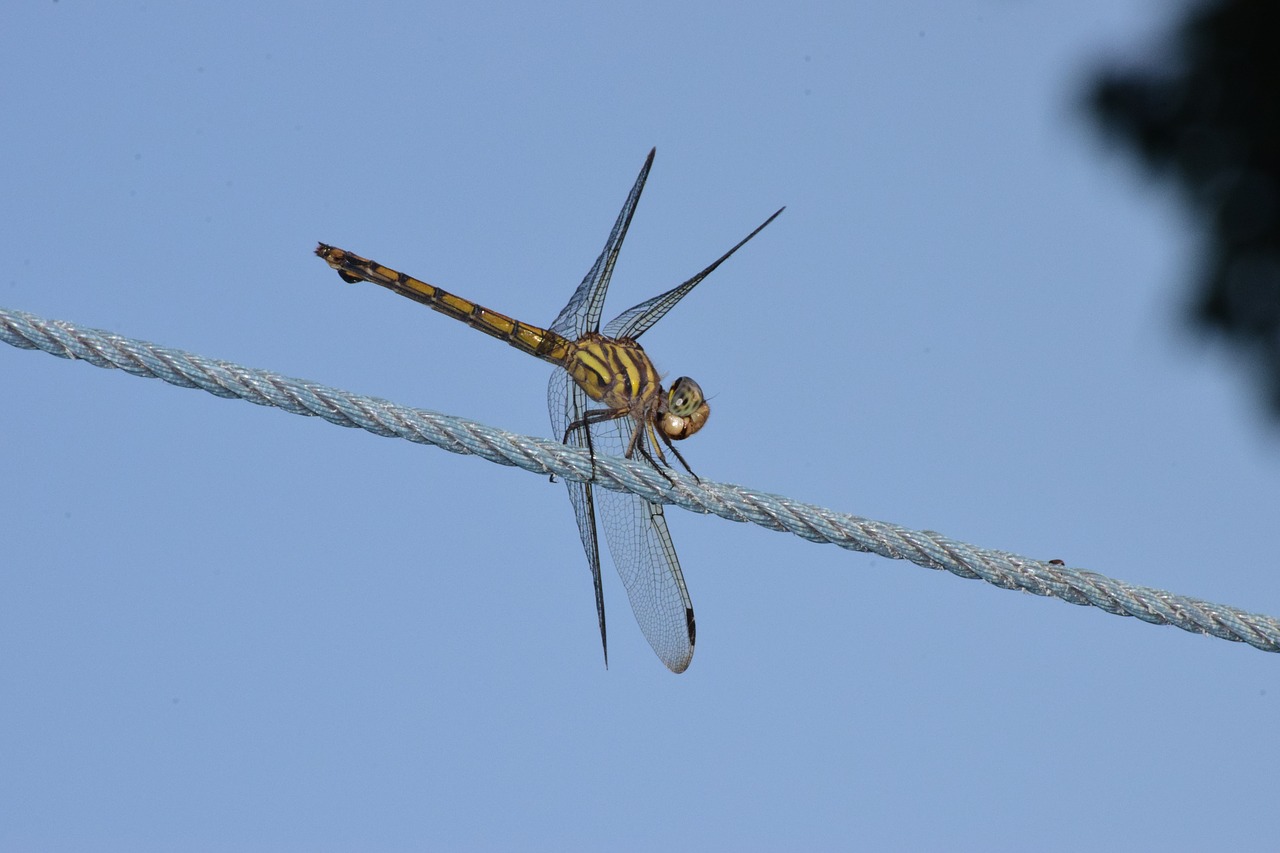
x,y
531,339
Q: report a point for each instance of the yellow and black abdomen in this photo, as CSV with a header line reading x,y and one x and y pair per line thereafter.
x,y
531,339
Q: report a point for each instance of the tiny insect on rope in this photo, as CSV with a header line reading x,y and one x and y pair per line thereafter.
x,y
544,456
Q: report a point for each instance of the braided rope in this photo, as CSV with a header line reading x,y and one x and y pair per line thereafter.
x,y
543,456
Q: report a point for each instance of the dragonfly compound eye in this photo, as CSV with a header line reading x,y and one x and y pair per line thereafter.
x,y
686,410
676,428
684,398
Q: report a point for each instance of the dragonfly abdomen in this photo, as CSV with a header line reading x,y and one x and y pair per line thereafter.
x,y
531,339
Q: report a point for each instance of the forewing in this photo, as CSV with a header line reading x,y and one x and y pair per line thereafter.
x,y
566,401
582,314
635,321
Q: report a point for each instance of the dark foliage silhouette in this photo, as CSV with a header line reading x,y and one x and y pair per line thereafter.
x,y
1207,115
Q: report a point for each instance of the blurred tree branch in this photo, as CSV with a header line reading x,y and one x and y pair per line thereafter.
x,y
1207,116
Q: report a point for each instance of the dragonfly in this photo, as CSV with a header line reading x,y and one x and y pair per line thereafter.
x,y
605,396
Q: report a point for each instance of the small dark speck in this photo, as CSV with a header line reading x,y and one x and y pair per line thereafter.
x,y
922,34
137,155
176,700
807,57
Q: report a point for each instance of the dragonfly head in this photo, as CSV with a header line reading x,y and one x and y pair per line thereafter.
x,y
685,409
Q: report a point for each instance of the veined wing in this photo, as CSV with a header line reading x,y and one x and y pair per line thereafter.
x,y
635,321
645,557
636,531
582,313
567,403
635,528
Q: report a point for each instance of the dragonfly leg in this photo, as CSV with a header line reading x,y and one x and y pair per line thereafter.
x,y
661,469
595,416
589,417
672,448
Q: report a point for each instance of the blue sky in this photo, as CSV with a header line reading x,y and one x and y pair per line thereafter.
x,y
222,626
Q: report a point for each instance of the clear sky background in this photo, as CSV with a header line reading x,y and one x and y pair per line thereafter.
x,y
222,626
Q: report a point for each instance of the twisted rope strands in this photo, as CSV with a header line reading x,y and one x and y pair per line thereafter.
x,y
543,456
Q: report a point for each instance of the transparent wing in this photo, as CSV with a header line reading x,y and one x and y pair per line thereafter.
x,y
645,557
582,314
635,529
566,401
635,321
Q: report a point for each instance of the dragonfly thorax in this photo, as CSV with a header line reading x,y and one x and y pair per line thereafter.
x,y
616,372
